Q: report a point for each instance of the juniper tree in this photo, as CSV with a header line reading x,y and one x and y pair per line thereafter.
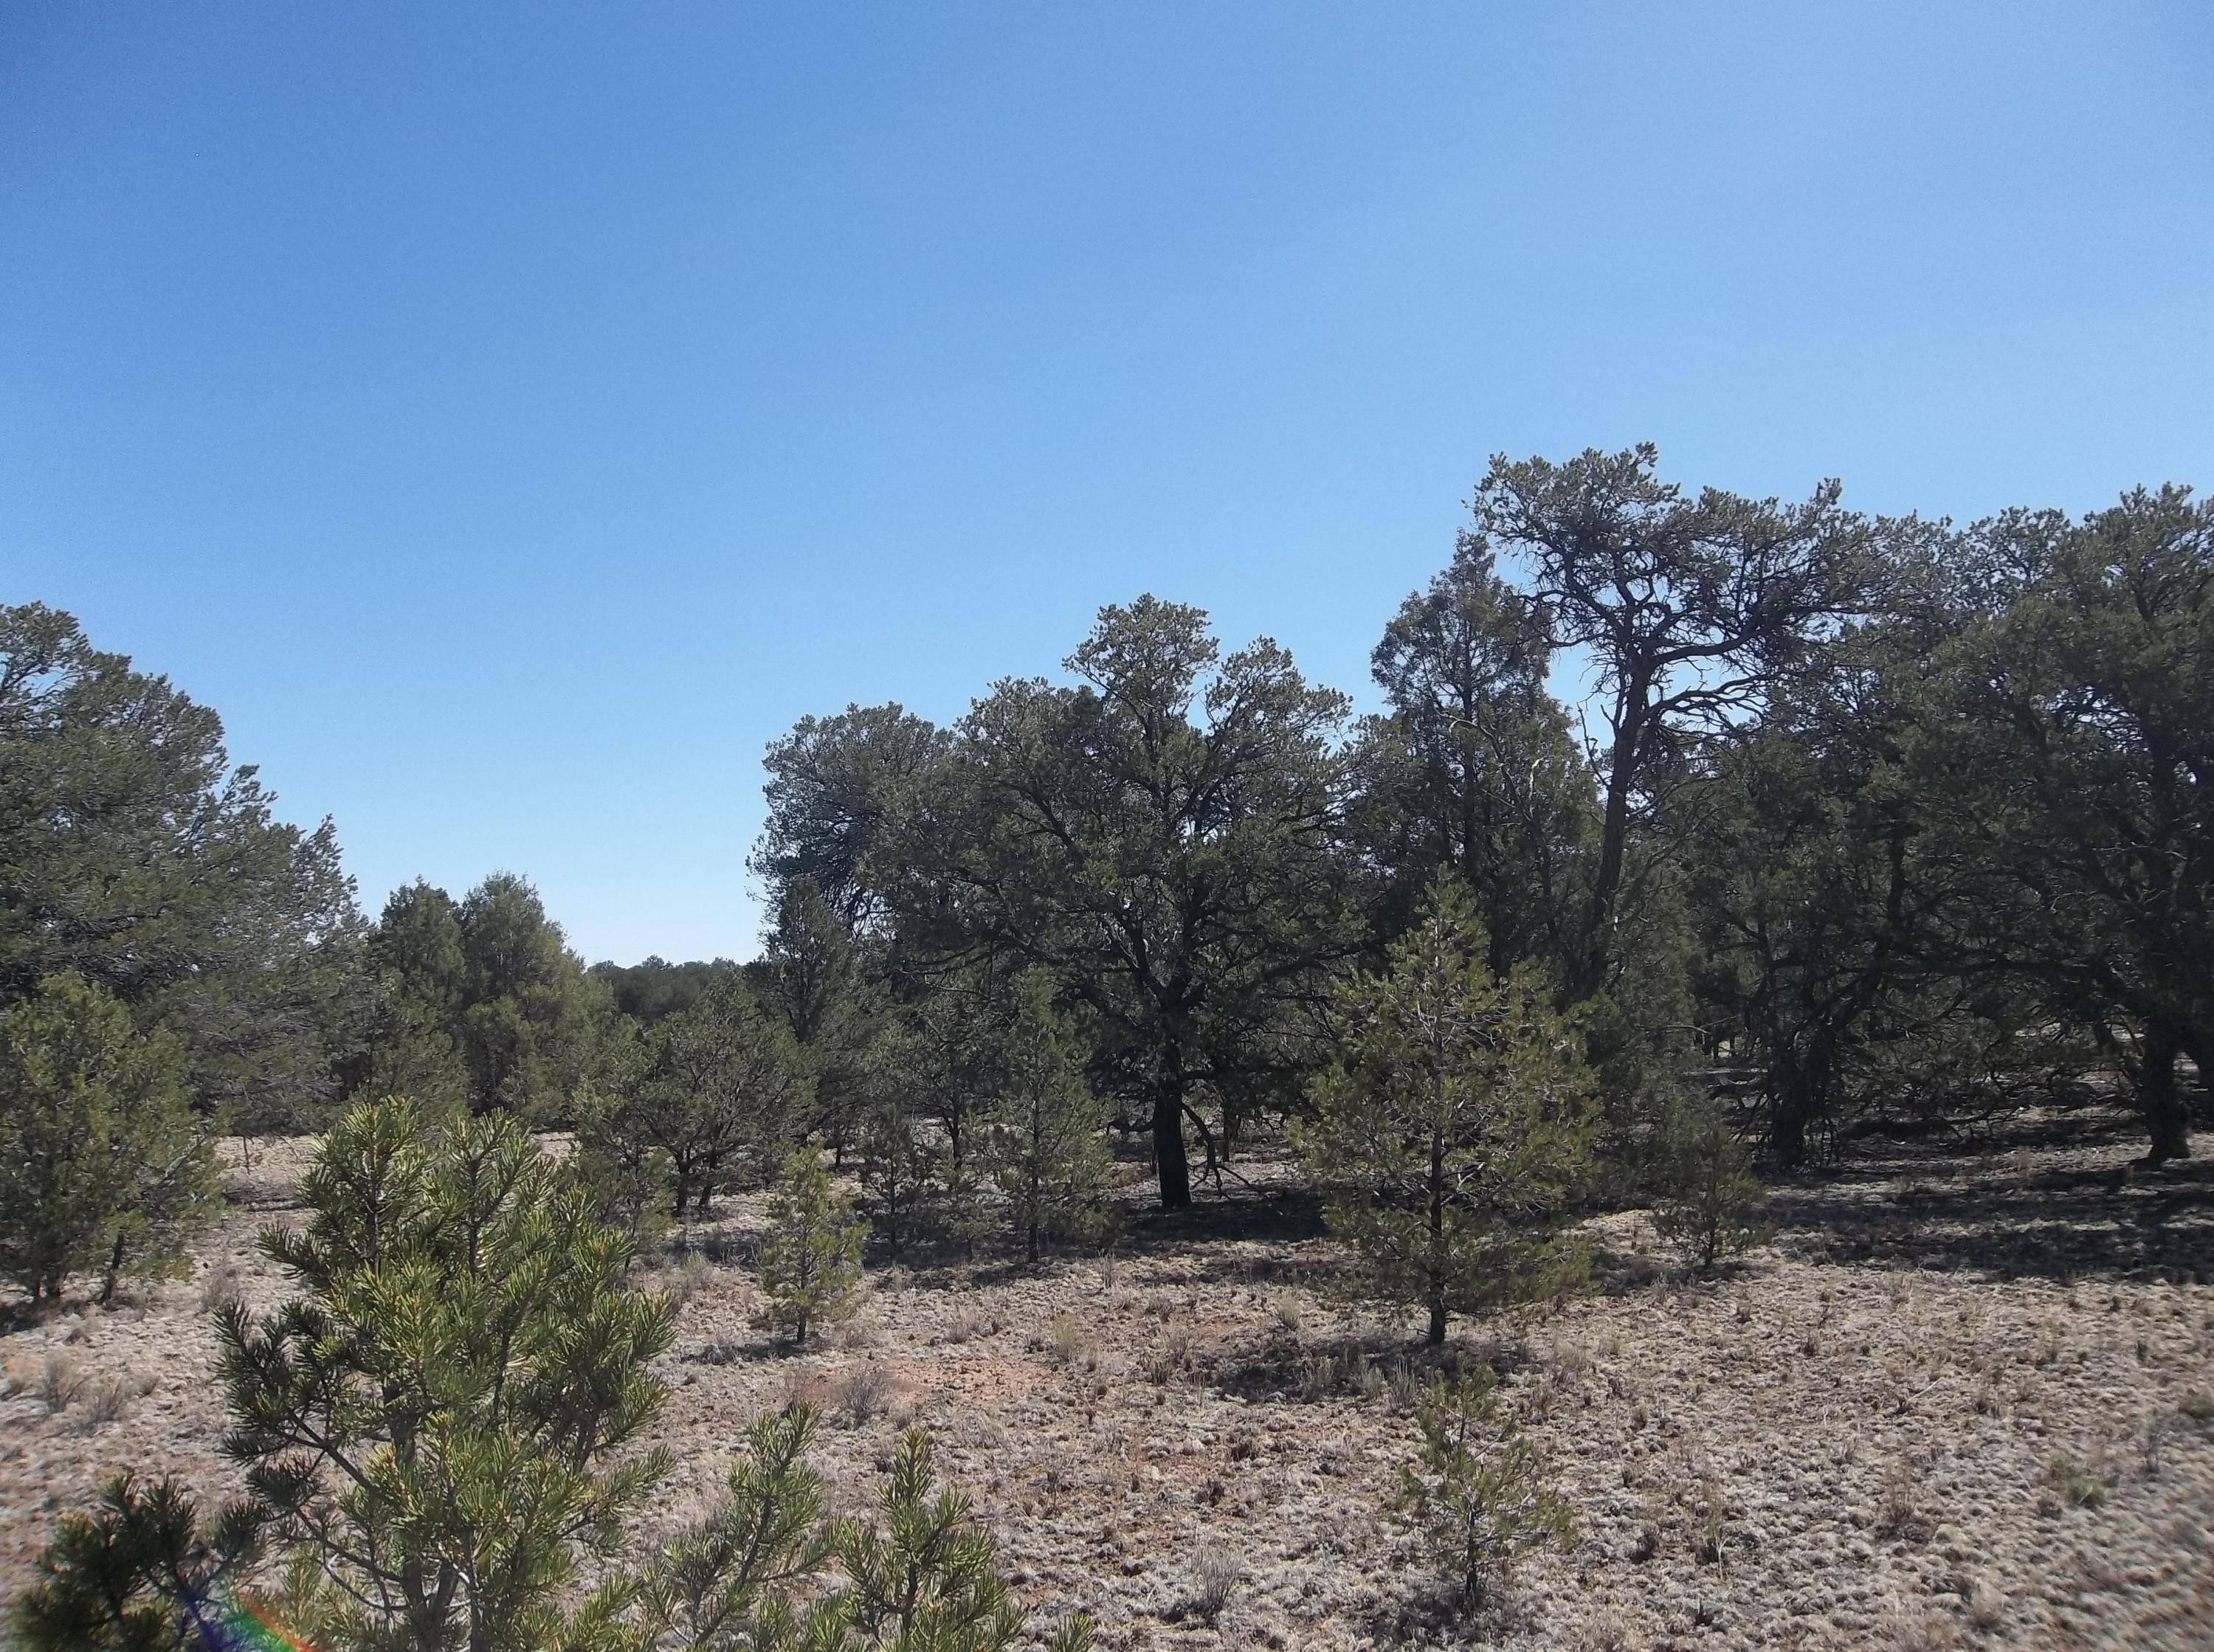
x,y
1474,768
441,1425
719,1088
135,854
1044,1147
1163,838
1452,1123
102,1163
810,1264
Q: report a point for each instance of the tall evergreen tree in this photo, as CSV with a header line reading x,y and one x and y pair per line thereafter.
x,y
133,854
1475,769
1690,610
1164,839
832,784
2068,752
815,980
483,996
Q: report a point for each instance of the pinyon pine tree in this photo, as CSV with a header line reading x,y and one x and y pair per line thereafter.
x,y
445,1423
811,1266
1453,1122
439,1425
102,1165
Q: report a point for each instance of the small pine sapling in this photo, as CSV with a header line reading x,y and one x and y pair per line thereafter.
x,y
1452,1123
122,1577
899,1170
441,1426
926,1576
810,1265
1044,1143
1479,1492
1709,1195
728,1581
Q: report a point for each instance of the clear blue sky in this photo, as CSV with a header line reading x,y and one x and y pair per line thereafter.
x,y
510,418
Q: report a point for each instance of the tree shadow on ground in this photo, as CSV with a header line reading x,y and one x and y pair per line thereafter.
x,y
1271,1215
2050,1198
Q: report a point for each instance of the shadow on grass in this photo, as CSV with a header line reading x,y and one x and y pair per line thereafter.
x,y
2074,1211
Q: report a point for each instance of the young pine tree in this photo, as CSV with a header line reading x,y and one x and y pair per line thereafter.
x,y
1044,1146
900,1173
1709,1194
919,1577
1480,1493
1453,1121
440,1424
102,1165
119,1577
810,1266
445,1423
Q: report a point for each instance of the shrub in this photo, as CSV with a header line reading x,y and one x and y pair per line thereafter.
x,y
115,1578
810,1266
1479,1491
445,1421
919,1576
102,1165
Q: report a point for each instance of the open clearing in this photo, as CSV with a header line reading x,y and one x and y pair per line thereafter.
x,y
1965,1398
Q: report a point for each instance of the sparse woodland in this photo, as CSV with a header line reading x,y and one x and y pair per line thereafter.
x,y
1675,1130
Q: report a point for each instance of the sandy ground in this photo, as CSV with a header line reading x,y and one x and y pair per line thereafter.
x,y
1962,1399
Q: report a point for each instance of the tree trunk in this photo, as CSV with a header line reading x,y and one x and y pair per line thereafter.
x,y
1437,1338
2167,1121
1614,839
114,1268
1168,1149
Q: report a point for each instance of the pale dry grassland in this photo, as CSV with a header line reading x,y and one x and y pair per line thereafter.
x,y
1965,1399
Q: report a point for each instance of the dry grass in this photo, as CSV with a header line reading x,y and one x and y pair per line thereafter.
x,y
1957,1402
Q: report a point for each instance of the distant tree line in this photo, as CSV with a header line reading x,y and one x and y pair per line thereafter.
x,y
1843,823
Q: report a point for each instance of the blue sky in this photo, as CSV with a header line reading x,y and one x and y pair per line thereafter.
x,y
510,418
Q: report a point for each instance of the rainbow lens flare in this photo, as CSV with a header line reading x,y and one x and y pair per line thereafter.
x,y
240,1624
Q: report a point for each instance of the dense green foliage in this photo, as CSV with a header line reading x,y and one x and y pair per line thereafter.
x,y
482,999
1454,1123
102,1165
439,1420
119,1577
443,1426
811,1262
132,854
